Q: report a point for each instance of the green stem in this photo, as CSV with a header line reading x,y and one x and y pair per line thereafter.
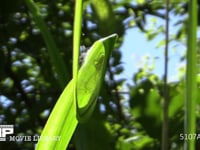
x,y
165,127
191,73
76,44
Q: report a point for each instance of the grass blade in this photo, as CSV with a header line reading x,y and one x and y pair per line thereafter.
x,y
191,73
62,121
53,51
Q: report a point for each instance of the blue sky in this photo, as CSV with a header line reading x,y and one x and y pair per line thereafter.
x,y
136,47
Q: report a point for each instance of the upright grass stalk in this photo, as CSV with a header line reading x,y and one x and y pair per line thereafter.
x,y
191,73
54,54
165,126
76,43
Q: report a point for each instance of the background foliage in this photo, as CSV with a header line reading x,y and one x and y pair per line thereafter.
x,y
123,120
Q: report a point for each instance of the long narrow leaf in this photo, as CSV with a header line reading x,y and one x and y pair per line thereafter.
x,y
54,54
62,121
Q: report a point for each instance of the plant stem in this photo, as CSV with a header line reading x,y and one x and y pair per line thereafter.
x,y
165,128
191,73
76,44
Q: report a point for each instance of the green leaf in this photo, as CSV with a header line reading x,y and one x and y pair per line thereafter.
x,y
53,51
62,121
